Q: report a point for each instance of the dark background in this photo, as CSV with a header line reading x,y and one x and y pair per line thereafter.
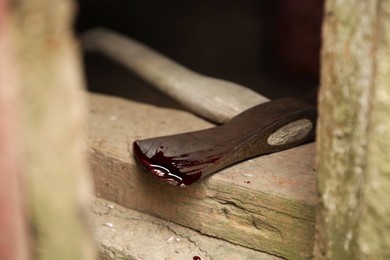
x,y
272,48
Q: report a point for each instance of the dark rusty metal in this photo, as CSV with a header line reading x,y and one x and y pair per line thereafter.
x,y
185,158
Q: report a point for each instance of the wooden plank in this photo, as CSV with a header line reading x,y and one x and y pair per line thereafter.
x,y
267,203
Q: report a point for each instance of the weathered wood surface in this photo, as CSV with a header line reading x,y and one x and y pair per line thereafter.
x,y
267,203
354,132
212,98
13,222
51,128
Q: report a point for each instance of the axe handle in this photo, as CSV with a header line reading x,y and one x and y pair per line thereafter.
x,y
215,99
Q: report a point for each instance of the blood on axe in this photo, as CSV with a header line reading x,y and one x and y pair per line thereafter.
x,y
251,124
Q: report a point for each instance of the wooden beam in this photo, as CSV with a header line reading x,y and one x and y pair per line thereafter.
x,y
52,128
354,132
266,203
13,222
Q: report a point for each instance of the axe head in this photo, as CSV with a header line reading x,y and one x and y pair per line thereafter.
x,y
182,159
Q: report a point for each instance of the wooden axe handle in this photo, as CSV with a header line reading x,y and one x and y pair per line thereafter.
x,y
215,99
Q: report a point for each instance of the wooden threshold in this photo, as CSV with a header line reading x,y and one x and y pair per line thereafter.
x,y
266,203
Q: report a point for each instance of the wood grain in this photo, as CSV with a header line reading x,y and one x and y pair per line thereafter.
x,y
52,129
354,132
267,203
216,99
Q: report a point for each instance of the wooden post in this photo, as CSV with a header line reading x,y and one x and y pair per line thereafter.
x,y
354,132
13,234
46,141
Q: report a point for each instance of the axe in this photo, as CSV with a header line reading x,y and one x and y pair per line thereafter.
x,y
251,124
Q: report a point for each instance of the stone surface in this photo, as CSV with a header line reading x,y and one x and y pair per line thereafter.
x,y
122,233
266,203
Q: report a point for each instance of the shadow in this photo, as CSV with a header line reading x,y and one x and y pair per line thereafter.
x,y
107,77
